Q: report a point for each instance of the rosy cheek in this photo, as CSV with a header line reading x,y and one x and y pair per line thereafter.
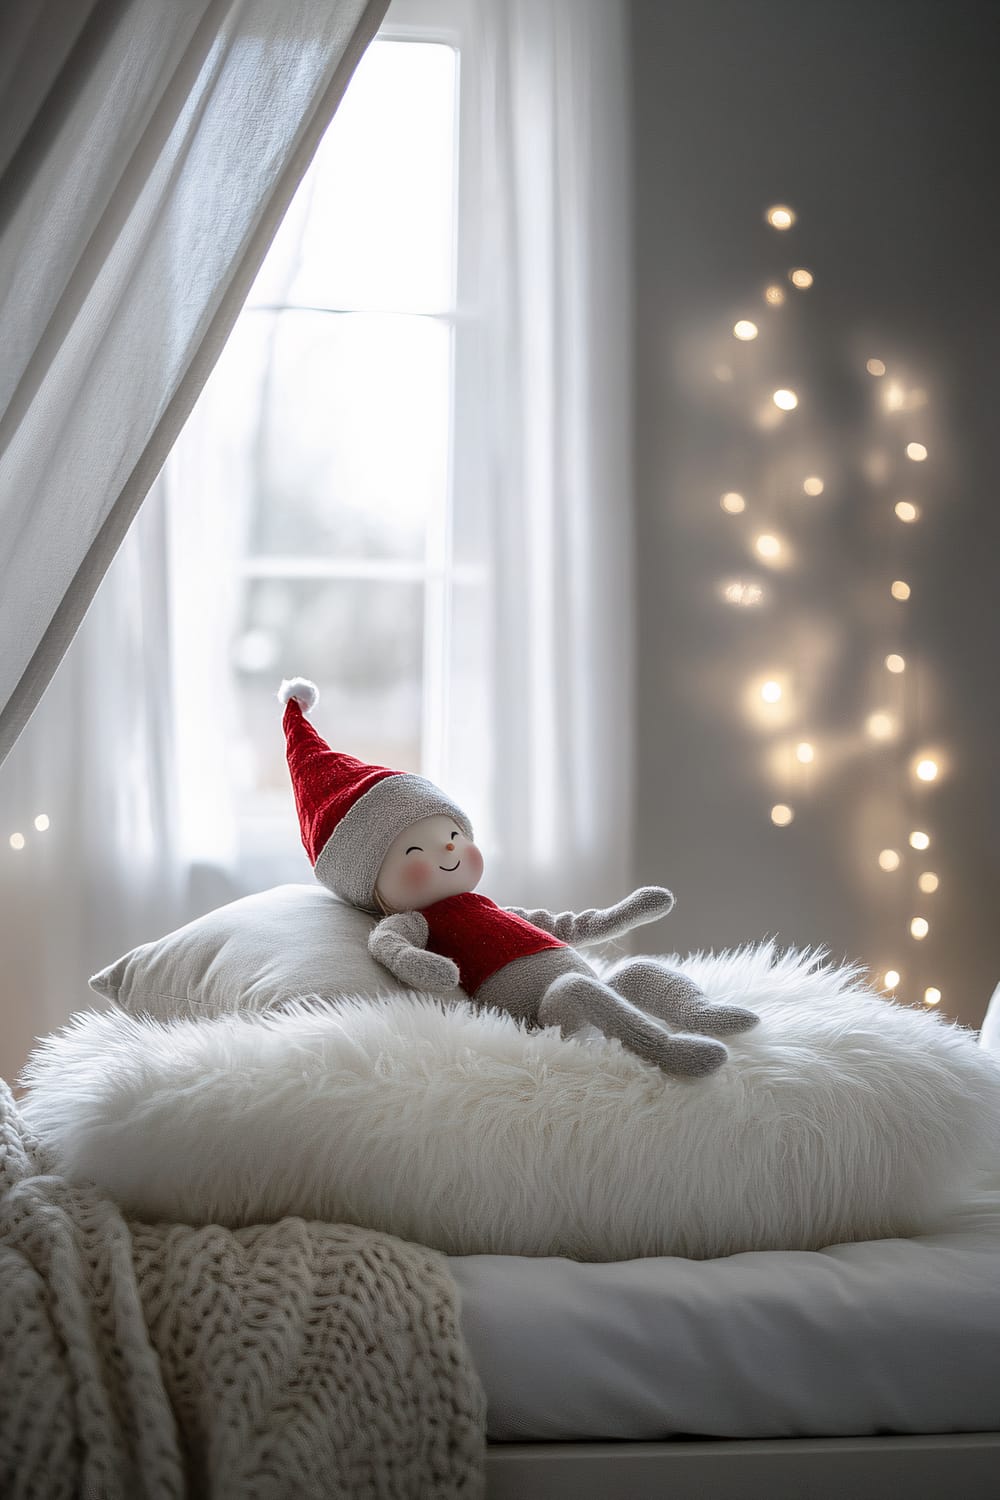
x,y
417,874
474,861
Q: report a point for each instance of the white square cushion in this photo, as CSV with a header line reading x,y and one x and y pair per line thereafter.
x,y
253,954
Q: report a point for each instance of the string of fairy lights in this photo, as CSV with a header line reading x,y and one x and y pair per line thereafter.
x,y
898,837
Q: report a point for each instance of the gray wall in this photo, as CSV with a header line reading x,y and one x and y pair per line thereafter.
x,y
879,123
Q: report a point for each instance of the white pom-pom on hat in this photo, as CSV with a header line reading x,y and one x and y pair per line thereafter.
x,y
305,693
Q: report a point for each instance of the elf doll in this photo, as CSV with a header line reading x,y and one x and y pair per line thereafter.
x,y
393,843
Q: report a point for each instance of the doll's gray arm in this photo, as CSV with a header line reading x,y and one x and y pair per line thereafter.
x,y
647,904
399,943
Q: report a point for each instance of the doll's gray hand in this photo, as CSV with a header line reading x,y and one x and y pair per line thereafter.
x,y
399,943
648,904
425,971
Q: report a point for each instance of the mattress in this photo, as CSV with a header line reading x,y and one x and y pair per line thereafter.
x,y
888,1336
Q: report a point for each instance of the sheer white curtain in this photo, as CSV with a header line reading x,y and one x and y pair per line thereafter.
x,y
543,478
148,150
150,154
95,767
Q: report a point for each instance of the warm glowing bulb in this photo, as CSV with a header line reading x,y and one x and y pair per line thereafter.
x,y
928,882
881,726
771,692
774,295
926,770
889,859
899,589
895,663
919,927
767,546
932,996
733,502
875,367
920,840
906,510
916,451
42,822
780,216
813,485
745,330
781,815
891,978
805,753
17,841
801,278
786,400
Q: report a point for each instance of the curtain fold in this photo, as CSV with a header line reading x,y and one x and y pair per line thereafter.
x,y
96,767
139,201
150,151
553,294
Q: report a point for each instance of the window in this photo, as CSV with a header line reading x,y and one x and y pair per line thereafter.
x,y
311,492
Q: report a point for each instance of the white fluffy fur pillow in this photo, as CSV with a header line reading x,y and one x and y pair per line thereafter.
x,y
841,1117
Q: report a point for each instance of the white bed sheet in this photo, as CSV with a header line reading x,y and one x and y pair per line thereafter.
x,y
886,1336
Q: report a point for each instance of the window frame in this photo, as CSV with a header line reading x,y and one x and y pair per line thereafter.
x,y
261,827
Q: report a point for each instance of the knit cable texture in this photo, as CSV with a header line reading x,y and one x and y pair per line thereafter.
x,y
162,1361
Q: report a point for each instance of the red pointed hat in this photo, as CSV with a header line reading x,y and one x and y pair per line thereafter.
x,y
349,812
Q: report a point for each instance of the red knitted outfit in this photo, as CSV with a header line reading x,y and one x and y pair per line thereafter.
x,y
481,937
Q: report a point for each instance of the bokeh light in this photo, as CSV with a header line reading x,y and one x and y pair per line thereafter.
x,y
774,295
919,839
926,769
781,815
895,663
919,928
785,400
881,725
916,451
875,367
899,590
780,216
801,278
768,546
928,882
889,859
906,510
733,502
16,841
42,822
743,594
813,485
805,752
932,995
891,978
745,330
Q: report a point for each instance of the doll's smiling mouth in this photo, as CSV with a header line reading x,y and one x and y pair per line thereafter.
x,y
448,868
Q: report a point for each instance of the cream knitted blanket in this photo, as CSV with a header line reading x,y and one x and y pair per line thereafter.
x,y
146,1362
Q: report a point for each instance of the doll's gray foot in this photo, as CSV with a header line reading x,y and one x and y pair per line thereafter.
x,y
576,1000
672,997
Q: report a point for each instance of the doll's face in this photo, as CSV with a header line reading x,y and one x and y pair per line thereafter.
x,y
430,860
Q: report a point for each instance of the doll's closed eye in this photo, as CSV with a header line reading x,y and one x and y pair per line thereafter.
x,y
414,846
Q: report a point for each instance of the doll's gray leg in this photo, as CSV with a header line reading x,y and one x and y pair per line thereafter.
x,y
673,997
576,1000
